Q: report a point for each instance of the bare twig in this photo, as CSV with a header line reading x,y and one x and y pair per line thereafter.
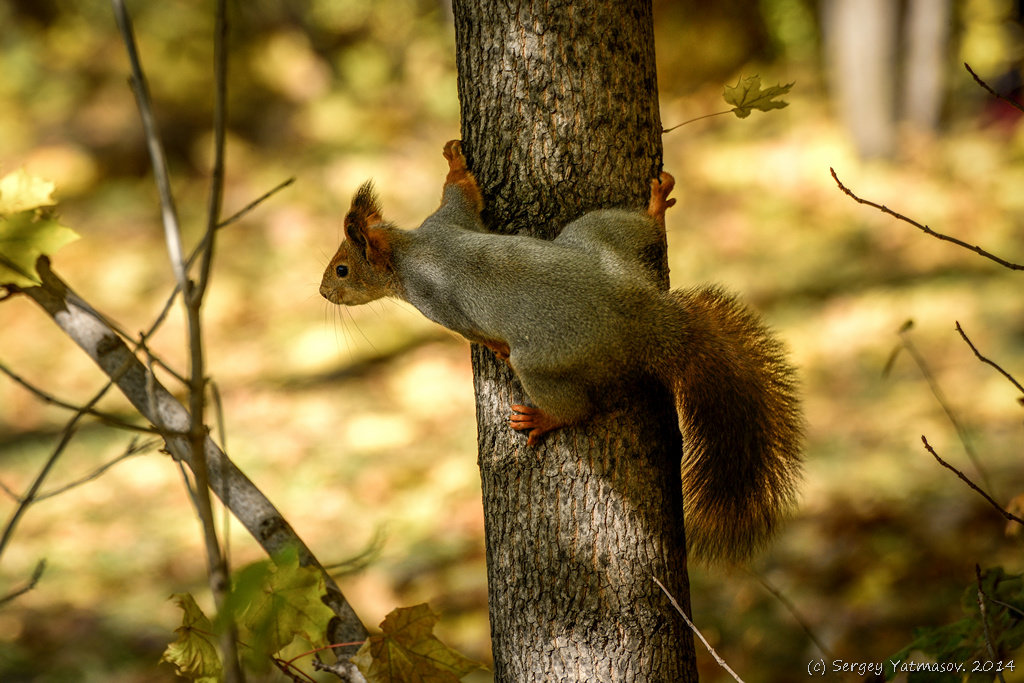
x,y
924,228
168,210
112,420
1008,515
192,297
196,251
993,93
937,392
37,574
134,448
222,433
37,483
987,361
244,211
984,621
707,645
1007,605
795,614
694,120
220,89
219,579
251,507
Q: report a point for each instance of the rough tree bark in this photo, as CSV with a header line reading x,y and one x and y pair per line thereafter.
x,y
560,116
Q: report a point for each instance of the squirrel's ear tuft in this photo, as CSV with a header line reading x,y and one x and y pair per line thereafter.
x,y
362,227
364,212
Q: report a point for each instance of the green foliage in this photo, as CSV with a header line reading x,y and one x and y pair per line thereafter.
x,y
27,230
273,604
408,650
747,95
960,650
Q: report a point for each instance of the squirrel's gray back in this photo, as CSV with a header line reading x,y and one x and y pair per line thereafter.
x,y
589,279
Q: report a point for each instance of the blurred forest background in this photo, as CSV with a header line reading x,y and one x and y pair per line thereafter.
x,y
359,425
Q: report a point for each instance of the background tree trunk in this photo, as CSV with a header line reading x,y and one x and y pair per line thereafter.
x,y
886,62
560,116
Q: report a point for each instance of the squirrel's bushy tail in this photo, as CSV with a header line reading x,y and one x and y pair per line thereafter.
x,y
740,419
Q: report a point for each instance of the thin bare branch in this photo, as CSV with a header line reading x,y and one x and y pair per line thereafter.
x,y
707,645
37,574
933,384
983,610
44,472
168,209
983,359
107,418
250,506
220,90
693,120
245,210
924,228
791,608
196,251
963,477
1013,103
134,448
222,433
192,296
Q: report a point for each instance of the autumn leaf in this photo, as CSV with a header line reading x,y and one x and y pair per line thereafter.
x,y
27,230
747,95
408,651
194,653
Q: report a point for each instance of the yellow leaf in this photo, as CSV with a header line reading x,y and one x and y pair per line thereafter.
x,y
20,191
24,237
194,653
26,231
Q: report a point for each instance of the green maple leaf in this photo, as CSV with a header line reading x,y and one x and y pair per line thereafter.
x,y
275,603
194,653
747,95
408,651
27,230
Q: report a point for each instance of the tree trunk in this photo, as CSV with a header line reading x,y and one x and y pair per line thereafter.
x,y
928,23
860,41
560,116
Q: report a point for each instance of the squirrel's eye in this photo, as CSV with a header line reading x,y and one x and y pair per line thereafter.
x,y
341,270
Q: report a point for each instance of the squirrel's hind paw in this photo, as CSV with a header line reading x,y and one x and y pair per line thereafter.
x,y
453,154
533,419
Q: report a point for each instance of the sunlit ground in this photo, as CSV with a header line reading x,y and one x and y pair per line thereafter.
x,y
359,424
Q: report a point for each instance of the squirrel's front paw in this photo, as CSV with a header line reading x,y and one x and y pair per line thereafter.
x,y
459,174
659,202
535,420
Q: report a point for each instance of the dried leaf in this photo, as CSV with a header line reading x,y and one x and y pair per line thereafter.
x,y
408,651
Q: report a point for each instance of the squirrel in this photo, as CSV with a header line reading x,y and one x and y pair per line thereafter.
x,y
578,316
